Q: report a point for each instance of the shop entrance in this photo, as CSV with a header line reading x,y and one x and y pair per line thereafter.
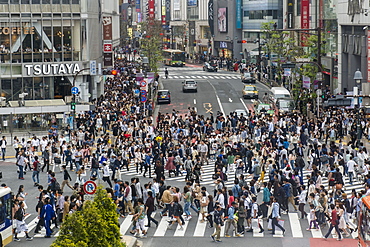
x,y
62,87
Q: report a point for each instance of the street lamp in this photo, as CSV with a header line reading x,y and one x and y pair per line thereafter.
x,y
357,77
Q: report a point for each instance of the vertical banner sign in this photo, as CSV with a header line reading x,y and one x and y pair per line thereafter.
x,y
222,20
168,10
305,19
107,28
151,10
290,14
137,5
211,22
368,57
163,12
108,61
238,14
306,82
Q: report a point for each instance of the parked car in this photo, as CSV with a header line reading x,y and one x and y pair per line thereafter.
x,y
250,91
248,77
164,96
189,85
210,67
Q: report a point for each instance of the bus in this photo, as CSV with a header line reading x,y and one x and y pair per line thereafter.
x,y
174,57
364,223
6,206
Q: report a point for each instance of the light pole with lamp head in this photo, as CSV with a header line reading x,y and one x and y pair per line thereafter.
x,y
357,77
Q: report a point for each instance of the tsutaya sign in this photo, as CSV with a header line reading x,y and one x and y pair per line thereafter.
x,y
50,69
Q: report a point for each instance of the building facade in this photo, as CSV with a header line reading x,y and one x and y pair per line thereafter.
x,y
44,43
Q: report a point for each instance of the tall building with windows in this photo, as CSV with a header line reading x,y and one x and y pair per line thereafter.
x,y
44,44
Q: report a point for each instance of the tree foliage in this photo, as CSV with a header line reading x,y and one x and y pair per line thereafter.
x,y
96,225
151,43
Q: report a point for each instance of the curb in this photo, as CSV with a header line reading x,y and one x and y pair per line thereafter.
x,y
129,241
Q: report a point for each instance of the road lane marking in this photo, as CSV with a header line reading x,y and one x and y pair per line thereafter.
x,y
195,101
218,99
246,108
295,225
230,100
181,233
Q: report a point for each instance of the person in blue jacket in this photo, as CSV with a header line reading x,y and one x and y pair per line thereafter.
x,y
48,214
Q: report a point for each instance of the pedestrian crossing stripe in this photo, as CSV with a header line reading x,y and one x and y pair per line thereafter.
x,y
202,77
207,179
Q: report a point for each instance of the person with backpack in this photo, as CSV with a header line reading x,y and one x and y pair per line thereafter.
x,y
255,213
20,224
36,166
231,220
289,197
237,191
176,211
218,223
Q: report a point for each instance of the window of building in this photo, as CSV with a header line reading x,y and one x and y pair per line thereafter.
x,y
4,1
75,1
25,1
176,14
14,1
46,1
245,13
56,1
298,4
36,1
65,1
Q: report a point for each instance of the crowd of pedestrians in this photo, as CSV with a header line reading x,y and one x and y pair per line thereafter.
x,y
264,156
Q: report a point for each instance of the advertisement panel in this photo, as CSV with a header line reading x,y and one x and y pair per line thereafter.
x,y
238,14
211,22
192,3
290,14
163,12
107,28
151,9
305,18
222,19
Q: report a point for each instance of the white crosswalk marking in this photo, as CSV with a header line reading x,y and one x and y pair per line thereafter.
x,y
200,228
295,225
125,225
162,227
181,76
187,77
316,233
228,77
181,233
30,226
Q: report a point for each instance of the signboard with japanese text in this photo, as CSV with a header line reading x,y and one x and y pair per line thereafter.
x,y
107,28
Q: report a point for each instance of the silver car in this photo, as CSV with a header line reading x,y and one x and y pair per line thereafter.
x,y
189,85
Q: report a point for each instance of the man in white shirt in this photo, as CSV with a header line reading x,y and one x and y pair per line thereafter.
x,y
351,168
221,200
3,146
203,150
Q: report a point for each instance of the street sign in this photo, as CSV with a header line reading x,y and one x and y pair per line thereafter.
x,y
99,69
75,90
319,92
89,197
143,92
137,91
107,47
288,65
143,83
90,187
143,99
303,60
92,67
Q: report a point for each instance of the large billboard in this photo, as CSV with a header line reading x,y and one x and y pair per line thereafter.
x,y
192,3
222,19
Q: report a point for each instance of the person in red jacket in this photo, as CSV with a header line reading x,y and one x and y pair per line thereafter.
x,y
334,221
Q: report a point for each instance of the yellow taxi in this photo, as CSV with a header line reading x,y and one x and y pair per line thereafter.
x,y
250,91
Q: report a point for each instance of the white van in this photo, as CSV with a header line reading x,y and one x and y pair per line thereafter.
x,y
280,93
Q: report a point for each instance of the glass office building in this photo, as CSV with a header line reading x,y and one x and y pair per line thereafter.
x,y
43,43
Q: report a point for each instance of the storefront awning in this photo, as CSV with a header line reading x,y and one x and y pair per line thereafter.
x,y
49,102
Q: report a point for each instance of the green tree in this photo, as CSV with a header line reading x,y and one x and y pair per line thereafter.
x,y
151,43
96,225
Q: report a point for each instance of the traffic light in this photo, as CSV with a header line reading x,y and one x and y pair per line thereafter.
x,y
110,72
242,41
73,106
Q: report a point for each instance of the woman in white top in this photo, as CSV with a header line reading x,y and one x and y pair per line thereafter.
x,y
106,173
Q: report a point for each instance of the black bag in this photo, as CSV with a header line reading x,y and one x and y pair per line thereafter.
x,y
225,177
18,215
181,210
57,160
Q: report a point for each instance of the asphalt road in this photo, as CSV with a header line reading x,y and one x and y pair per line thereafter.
x,y
217,91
